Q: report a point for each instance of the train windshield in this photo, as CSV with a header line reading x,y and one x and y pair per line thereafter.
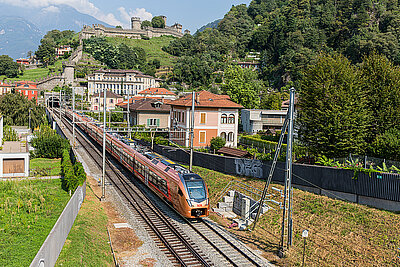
x,y
195,187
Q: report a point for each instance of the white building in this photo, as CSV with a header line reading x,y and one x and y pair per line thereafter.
x,y
121,82
254,120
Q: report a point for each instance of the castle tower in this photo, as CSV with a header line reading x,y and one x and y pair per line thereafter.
x,y
136,24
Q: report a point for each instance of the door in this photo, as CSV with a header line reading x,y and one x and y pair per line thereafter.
x,y
146,176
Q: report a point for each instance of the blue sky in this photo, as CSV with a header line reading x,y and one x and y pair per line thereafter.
x,y
191,14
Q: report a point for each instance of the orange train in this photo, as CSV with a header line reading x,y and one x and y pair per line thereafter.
x,y
185,191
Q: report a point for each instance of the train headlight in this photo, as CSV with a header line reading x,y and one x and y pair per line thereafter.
x,y
207,201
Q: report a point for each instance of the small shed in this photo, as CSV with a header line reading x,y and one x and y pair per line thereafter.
x,y
234,152
14,160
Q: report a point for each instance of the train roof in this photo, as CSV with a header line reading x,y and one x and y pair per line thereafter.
x,y
167,162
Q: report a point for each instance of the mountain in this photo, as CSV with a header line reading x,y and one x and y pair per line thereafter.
x,y
23,29
212,25
18,36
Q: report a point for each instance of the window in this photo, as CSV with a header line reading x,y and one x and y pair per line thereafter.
x,y
202,118
230,137
153,122
223,136
231,119
224,118
111,100
202,137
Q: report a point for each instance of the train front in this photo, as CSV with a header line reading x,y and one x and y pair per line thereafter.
x,y
197,196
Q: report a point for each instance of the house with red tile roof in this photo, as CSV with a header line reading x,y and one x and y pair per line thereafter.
x,y
27,88
158,92
215,115
5,88
150,112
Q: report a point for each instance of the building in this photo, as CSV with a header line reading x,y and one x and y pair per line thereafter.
x,y
135,32
249,65
5,88
28,89
150,112
14,157
215,115
158,93
255,120
122,82
112,99
23,61
62,50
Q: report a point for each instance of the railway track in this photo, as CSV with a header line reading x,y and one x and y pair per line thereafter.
x,y
178,247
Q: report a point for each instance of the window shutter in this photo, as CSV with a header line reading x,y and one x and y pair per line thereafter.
x,y
158,122
148,122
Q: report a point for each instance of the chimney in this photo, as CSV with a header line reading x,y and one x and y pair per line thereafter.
x,y
197,98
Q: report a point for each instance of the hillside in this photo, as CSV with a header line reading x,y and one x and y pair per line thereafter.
x,y
211,25
152,47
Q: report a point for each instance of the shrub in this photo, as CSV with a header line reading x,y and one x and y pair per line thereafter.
x,y
73,175
216,143
48,144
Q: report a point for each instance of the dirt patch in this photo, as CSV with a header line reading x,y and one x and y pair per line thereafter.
x,y
148,262
124,240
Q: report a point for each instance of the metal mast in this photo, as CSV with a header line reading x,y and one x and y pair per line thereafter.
x,y
73,117
192,133
287,223
103,185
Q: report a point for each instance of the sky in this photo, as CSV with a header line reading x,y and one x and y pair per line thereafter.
x,y
192,14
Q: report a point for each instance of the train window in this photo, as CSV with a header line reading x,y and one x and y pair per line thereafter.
x,y
196,189
180,192
155,161
167,169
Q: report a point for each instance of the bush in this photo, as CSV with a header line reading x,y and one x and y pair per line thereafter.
x,y
73,175
48,144
216,143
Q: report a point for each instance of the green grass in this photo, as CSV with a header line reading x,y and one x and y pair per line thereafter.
x,y
34,74
152,47
86,244
28,211
45,167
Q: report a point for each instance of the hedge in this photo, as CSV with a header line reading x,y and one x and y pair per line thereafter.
x,y
73,175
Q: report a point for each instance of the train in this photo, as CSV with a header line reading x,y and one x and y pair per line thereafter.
x,y
183,190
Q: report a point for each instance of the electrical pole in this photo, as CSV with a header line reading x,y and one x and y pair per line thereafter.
x,y
287,223
128,115
103,185
60,105
30,118
192,132
73,117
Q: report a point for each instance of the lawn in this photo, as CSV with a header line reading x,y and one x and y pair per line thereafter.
x,y
86,244
152,47
45,167
28,211
340,233
34,74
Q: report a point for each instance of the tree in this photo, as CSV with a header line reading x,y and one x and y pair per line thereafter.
x,y
216,143
146,24
333,118
46,53
118,27
242,87
387,145
8,67
158,22
48,144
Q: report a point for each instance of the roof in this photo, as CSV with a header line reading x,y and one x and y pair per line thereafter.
x,y
14,147
109,94
117,71
133,99
206,99
5,84
233,152
147,104
156,91
26,86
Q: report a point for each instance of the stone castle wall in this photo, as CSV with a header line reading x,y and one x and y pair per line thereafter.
x,y
135,32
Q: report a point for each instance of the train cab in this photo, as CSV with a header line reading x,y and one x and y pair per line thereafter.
x,y
197,195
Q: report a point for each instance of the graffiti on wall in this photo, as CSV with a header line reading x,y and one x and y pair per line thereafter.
x,y
249,167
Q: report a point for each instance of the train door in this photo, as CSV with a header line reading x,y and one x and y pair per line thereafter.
x,y
146,175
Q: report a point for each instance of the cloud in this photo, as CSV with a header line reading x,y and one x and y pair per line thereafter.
x,y
52,9
83,6
138,12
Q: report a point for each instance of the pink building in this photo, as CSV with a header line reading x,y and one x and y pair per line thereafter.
x,y
112,99
215,115
158,93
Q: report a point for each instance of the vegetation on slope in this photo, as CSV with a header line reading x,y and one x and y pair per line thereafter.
x,y
340,233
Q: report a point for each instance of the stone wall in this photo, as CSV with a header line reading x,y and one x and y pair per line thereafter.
x,y
50,82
